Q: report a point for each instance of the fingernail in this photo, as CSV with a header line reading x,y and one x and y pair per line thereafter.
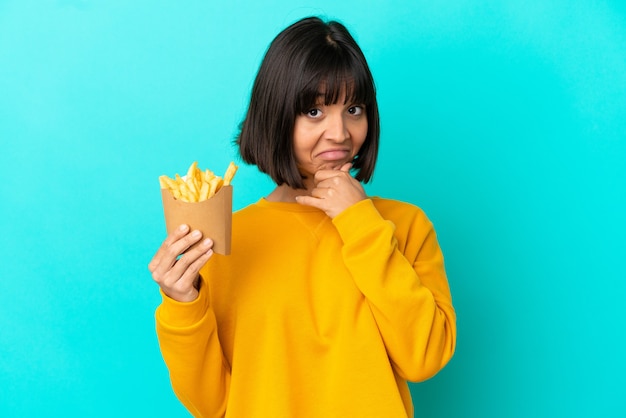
x,y
182,227
207,242
196,234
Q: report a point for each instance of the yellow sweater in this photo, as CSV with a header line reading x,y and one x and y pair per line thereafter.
x,y
313,317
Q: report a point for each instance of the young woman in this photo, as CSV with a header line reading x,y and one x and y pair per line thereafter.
x,y
330,300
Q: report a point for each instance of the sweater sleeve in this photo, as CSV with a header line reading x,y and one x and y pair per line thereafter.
x,y
191,350
402,276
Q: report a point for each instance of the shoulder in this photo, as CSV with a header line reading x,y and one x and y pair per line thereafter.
x,y
412,227
408,219
251,210
395,210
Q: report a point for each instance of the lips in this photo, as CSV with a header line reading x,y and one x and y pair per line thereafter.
x,y
334,155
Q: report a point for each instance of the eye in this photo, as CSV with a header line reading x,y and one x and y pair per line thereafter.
x,y
313,113
355,110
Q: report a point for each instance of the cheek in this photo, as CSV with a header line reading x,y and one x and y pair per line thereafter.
x,y
359,137
301,144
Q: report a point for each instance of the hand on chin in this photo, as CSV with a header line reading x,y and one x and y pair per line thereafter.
x,y
331,165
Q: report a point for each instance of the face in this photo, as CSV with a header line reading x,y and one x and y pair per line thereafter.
x,y
328,136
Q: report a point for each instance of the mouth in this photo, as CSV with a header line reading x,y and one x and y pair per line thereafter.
x,y
335,155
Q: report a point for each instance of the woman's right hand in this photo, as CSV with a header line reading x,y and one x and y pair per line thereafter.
x,y
177,274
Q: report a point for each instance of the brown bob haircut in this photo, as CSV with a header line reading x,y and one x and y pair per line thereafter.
x,y
307,58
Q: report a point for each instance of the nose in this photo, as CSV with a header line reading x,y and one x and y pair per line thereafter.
x,y
336,128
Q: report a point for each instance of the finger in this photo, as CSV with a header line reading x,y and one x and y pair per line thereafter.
x,y
181,282
346,167
186,288
322,175
310,201
190,274
172,252
177,234
186,269
325,191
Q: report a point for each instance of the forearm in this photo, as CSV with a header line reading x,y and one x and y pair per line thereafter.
x,y
418,324
191,350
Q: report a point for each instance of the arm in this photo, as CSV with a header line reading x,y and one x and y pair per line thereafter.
x,y
405,284
191,349
400,272
186,326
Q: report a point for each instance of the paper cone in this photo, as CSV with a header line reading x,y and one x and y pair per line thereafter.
x,y
213,217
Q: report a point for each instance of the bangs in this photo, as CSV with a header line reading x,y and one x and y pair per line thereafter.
x,y
329,75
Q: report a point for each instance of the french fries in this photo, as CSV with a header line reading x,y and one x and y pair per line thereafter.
x,y
197,185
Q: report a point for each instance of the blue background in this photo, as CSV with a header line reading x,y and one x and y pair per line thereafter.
x,y
504,120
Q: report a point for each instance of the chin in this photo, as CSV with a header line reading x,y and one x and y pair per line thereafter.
x,y
332,165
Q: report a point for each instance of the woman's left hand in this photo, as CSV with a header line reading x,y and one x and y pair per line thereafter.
x,y
334,191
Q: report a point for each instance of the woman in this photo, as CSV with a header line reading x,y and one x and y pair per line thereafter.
x,y
330,300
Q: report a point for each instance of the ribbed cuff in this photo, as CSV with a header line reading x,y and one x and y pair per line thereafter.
x,y
183,314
